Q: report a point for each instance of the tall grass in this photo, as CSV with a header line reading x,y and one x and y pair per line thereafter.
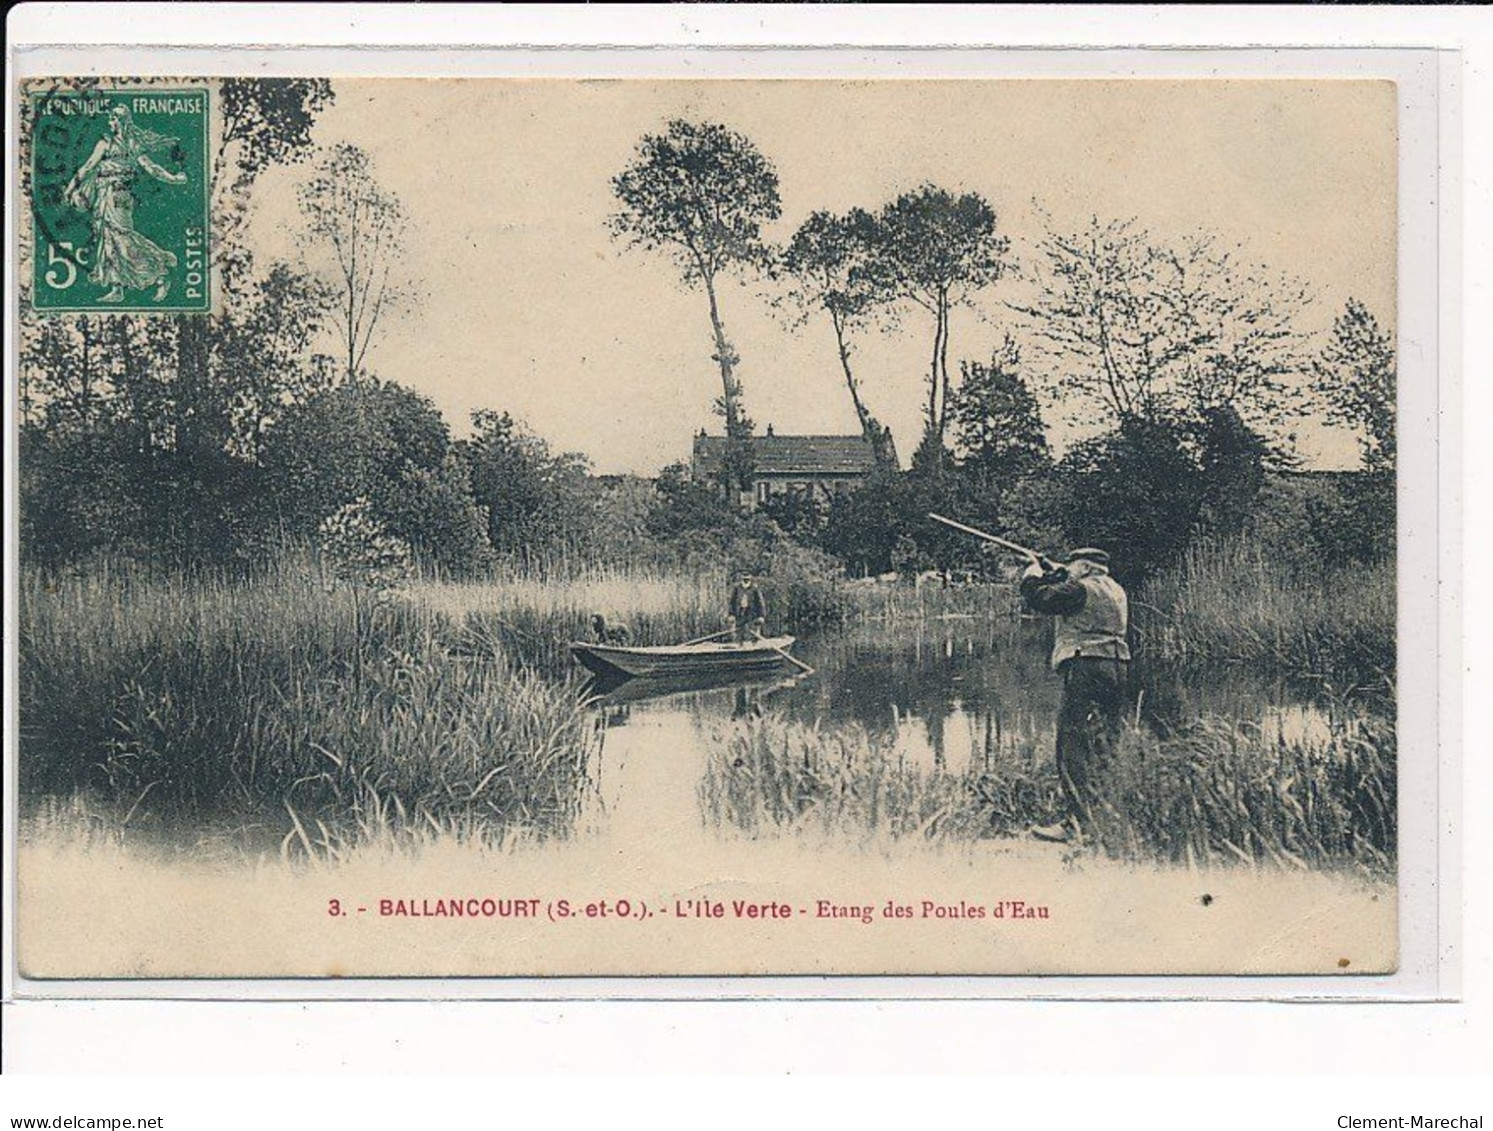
x,y
1229,602
534,617
1225,791
772,777
1219,792
178,699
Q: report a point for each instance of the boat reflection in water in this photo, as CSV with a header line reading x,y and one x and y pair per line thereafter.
x,y
614,699
617,690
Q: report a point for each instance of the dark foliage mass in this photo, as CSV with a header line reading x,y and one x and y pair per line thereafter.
x,y
1136,492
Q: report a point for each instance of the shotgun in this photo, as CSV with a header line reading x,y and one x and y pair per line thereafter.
x,y
1042,559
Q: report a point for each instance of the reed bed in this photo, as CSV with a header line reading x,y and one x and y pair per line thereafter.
x,y
1219,792
191,701
1226,791
533,615
772,777
1230,602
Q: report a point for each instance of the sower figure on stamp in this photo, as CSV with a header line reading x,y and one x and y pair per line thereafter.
x,y
104,186
746,608
1090,652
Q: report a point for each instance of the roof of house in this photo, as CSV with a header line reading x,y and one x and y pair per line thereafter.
x,y
793,455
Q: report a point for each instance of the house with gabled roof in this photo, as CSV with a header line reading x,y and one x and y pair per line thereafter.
x,y
826,466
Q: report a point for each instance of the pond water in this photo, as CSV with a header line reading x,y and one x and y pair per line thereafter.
x,y
953,695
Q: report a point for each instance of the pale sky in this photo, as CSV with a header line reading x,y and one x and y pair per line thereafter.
x,y
531,307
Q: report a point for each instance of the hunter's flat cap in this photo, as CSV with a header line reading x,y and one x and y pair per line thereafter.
x,y
1089,554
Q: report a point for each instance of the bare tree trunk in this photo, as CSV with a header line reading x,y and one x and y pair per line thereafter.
x,y
727,360
738,454
85,377
869,428
931,421
352,344
938,381
943,367
188,442
191,379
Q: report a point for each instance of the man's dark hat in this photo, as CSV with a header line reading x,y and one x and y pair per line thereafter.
x,y
1089,554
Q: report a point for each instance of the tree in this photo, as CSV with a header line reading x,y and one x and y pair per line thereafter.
x,y
1357,373
684,506
537,501
1358,378
998,429
1232,463
264,354
362,224
865,527
936,250
890,510
700,193
1154,331
799,513
171,410
264,122
384,444
1134,491
63,372
828,263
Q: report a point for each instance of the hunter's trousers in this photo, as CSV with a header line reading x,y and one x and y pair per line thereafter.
x,y
1093,706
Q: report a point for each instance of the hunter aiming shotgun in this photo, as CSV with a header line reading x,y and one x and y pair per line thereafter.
x,y
1091,621
1015,548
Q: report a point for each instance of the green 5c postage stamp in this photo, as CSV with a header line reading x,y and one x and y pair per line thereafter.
x,y
119,199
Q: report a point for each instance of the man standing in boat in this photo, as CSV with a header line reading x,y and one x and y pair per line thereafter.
x,y
746,608
1091,653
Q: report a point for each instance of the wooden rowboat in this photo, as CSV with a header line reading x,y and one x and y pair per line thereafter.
x,y
762,654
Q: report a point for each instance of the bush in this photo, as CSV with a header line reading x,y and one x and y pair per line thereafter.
x,y
355,548
1135,492
388,446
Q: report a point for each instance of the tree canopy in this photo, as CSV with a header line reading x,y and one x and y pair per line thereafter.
x,y
1152,330
1358,375
998,430
935,250
359,225
700,193
828,263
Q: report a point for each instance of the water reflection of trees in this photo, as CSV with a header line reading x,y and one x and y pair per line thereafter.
x,y
953,693
972,694
964,695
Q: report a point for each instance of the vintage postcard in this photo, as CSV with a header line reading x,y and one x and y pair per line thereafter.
x,y
497,527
